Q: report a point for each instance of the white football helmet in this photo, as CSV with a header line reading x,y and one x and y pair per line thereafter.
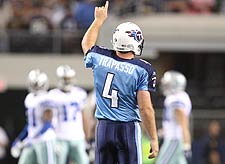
x,y
66,76
128,37
37,81
172,82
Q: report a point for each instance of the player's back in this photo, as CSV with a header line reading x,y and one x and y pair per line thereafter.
x,y
181,101
117,81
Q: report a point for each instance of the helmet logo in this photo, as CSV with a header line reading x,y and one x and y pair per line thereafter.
x,y
135,34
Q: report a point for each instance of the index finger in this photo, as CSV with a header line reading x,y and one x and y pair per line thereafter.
x,y
107,4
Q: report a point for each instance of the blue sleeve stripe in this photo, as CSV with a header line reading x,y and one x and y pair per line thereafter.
x,y
47,125
178,104
23,134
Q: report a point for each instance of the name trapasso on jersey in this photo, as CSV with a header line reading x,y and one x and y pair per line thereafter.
x,y
117,81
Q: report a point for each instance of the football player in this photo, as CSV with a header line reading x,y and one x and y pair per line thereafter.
x,y
123,85
177,108
71,129
39,124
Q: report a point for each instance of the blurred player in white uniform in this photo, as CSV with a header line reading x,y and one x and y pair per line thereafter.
x,y
71,129
176,147
37,146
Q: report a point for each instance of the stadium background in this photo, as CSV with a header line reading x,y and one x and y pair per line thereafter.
x,y
185,35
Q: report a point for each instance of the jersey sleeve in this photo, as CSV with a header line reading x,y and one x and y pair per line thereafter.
x,y
26,100
177,104
92,54
152,81
88,58
148,80
182,102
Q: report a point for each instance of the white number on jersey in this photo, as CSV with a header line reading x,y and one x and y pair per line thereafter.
x,y
106,91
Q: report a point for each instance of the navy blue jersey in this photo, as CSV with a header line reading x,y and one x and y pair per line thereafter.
x,y
116,82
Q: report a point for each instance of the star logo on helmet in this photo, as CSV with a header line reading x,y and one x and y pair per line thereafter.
x,y
135,34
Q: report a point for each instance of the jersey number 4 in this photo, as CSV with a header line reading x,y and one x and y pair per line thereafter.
x,y
110,93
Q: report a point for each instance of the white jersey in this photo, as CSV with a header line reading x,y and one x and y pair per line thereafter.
x,y
181,100
70,106
36,105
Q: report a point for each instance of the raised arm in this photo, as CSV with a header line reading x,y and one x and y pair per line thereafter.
x,y
91,35
148,119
